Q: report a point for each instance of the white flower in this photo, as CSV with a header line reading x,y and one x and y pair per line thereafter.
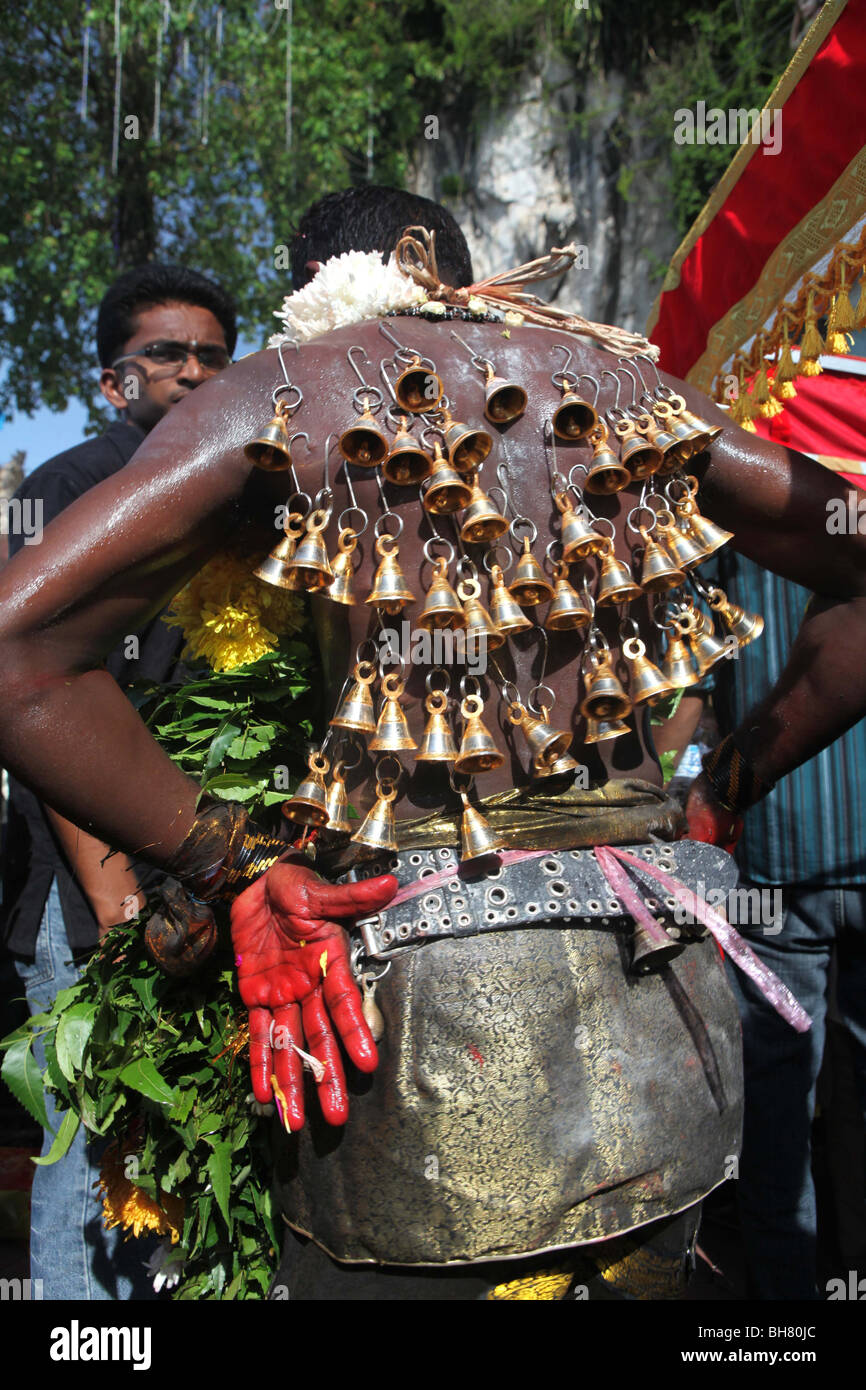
x,y
166,1266
348,289
433,306
257,1107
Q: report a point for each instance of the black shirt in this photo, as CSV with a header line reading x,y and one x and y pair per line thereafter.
x,y
32,856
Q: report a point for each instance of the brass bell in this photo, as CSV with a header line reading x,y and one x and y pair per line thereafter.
x,y
504,401
442,607
477,838
681,548
574,417
616,584
557,767
705,533
647,681
602,730
482,523
478,751
658,571
364,444
343,568
418,388
606,473
529,585
544,742
579,539
703,433
392,729
270,450
446,492
338,803
407,463
276,568
438,744
378,829
311,568
669,447
480,627
740,624
639,455
390,590
604,697
309,804
676,665
504,609
706,649
467,447
356,710
568,610
651,951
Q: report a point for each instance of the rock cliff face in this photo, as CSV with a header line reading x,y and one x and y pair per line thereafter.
x,y
564,159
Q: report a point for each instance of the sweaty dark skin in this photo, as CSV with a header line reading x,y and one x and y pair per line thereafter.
x,y
118,554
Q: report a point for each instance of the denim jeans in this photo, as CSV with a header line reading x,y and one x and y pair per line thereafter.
x,y
70,1250
776,1192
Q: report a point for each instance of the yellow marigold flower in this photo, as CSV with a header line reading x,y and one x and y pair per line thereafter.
x,y
125,1205
229,617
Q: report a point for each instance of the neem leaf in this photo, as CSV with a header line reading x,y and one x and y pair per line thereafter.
x,y
62,1140
219,1171
22,1076
73,1031
143,1076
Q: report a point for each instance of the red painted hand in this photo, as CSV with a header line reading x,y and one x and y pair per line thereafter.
x,y
292,960
708,819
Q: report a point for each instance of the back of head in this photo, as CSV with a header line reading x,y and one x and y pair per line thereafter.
x,y
157,283
371,218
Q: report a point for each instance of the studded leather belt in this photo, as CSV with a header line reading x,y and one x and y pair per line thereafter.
x,y
439,897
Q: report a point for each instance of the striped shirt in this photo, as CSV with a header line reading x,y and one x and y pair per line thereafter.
x,y
812,826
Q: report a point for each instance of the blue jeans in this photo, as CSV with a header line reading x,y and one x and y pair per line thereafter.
x,y
776,1192
70,1250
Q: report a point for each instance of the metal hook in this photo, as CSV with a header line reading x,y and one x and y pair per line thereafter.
x,y
642,357
613,376
299,434
480,363
558,378
357,348
633,400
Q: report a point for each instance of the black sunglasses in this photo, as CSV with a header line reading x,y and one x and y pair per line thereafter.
x,y
167,353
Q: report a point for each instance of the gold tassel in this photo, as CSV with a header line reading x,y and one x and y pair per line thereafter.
x,y
783,379
812,345
743,410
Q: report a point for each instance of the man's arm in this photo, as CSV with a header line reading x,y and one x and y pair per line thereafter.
x,y
107,879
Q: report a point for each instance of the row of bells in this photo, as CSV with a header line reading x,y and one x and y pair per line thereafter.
x,y
300,562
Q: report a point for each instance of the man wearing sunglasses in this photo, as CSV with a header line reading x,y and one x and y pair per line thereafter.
x,y
162,331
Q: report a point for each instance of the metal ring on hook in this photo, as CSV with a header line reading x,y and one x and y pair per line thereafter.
x,y
490,560
597,520
438,540
390,655
536,708
573,469
666,625
549,549
353,744
466,568
431,429
521,521
466,690
428,681
365,641
637,528
300,497
367,398
388,516
283,390
343,525
628,628
671,497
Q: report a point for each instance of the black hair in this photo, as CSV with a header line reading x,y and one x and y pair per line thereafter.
x,y
371,217
156,283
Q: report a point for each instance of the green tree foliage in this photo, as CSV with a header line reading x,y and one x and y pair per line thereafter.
x,y
222,181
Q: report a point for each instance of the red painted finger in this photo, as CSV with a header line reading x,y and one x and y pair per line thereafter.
x,y
288,1067
345,1006
297,891
323,1045
261,1063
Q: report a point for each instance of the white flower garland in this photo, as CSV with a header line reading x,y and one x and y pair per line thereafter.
x,y
348,289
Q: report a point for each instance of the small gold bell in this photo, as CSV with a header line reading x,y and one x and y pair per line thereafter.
x,y
705,533
602,730
740,624
467,447
338,803
658,571
579,539
647,681
482,523
442,607
343,568
311,568
639,455
615,584
355,710
606,473
478,751
676,666
479,624
604,698
544,742
706,649
504,609
446,492
373,1016
574,418
504,401
276,568
477,838
568,610
557,767
309,804
529,585
390,590
438,744
407,463
378,829
418,389
392,730
681,548
270,450
363,443
649,953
